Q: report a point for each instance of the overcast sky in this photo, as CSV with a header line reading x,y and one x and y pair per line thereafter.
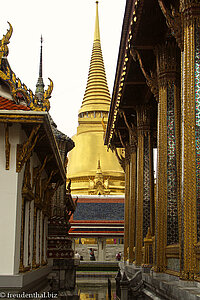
x,y
67,27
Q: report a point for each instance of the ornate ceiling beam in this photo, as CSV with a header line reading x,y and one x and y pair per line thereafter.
x,y
151,79
174,22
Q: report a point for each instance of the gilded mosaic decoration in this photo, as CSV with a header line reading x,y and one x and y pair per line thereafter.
x,y
172,211
146,192
197,127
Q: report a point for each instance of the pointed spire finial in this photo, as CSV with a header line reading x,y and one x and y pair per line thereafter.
x,y
97,95
99,164
99,170
97,31
40,69
40,84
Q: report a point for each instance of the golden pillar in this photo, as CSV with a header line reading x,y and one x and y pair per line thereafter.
x,y
126,208
34,238
132,201
190,190
43,237
21,266
167,227
29,236
144,180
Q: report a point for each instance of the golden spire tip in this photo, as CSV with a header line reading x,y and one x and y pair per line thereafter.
x,y
97,33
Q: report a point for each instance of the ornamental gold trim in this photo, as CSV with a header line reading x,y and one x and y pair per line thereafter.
x,y
4,42
21,266
18,118
7,146
34,265
161,198
24,151
132,206
172,251
126,208
27,190
151,79
148,250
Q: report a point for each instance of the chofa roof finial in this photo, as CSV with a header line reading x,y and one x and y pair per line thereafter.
x,y
5,41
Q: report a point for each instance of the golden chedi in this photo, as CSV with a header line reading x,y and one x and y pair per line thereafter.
x,y
92,169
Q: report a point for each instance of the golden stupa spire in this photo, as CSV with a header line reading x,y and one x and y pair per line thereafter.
x,y
92,169
97,31
97,96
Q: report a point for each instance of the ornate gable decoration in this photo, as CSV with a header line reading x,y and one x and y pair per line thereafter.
x,y
19,91
99,185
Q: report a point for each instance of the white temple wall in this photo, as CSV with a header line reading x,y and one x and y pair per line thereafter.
x,y
8,204
11,204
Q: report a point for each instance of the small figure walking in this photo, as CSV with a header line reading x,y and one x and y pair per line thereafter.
x,y
118,256
92,256
77,255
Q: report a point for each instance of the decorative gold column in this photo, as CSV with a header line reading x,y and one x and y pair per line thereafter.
x,y
139,205
34,266
190,190
39,237
144,180
43,237
21,266
148,250
132,201
126,208
167,226
29,236
7,146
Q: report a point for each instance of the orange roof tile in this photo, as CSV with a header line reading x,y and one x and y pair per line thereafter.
x,y
10,105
